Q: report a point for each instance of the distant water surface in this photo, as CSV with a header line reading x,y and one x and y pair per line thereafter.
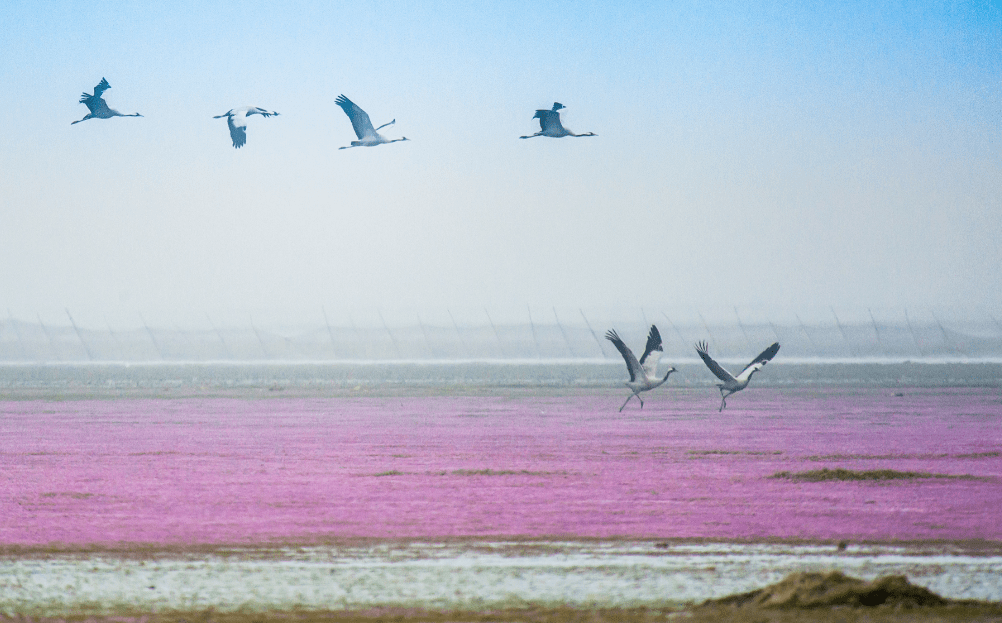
x,y
483,373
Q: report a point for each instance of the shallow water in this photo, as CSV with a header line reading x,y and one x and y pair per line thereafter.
x,y
464,575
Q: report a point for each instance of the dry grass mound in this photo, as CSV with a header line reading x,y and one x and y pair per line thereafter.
x,y
840,473
825,590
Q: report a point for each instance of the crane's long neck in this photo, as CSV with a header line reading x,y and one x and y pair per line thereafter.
x,y
665,379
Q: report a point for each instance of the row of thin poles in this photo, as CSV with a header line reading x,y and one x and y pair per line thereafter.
x,y
878,340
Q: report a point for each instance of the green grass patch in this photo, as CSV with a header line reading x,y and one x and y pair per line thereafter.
x,y
727,452
501,472
67,494
839,473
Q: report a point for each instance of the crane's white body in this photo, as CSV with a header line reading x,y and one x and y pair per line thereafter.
x,y
368,136
237,120
643,373
549,124
730,383
97,106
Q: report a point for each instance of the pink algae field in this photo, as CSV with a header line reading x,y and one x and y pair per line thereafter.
x,y
255,470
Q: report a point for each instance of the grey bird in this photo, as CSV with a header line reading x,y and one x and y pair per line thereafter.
x,y
731,383
549,123
643,373
368,136
237,120
97,106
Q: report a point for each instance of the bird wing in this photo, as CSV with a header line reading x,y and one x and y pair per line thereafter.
x,y
96,105
359,118
759,362
714,367
238,128
652,352
631,360
101,87
549,120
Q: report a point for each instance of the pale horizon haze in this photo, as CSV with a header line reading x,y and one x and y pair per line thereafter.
x,y
770,157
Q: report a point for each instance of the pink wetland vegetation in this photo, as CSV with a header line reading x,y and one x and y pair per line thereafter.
x,y
224,470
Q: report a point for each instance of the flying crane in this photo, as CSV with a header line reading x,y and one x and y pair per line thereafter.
x,y
368,136
643,373
731,383
97,106
549,124
237,120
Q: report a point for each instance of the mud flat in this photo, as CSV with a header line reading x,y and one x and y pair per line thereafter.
x,y
463,575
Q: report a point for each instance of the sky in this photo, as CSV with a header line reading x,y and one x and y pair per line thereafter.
x,y
769,157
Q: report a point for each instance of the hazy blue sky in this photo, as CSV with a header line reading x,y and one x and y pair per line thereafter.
x,y
770,156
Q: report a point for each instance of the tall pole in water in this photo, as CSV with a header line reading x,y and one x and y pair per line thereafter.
x,y
45,330
564,333
677,332
466,349
912,331
17,332
876,333
741,324
260,340
358,336
593,334
114,336
90,355
152,337
496,334
707,327
226,347
396,347
774,331
842,331
425,333
946,339
535,340
330,332
803,328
